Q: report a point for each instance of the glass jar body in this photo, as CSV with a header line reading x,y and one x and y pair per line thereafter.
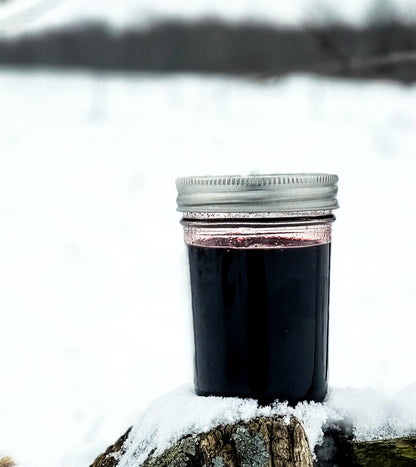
x,y
260,300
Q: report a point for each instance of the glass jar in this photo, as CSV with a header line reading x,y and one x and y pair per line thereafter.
x,y
259,257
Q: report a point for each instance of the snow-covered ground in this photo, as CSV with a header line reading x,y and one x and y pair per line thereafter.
x,y
95,312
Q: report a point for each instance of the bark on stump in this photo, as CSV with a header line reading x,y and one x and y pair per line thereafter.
x,y
263,442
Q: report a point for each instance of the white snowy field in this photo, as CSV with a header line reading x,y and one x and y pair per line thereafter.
x,y
94,297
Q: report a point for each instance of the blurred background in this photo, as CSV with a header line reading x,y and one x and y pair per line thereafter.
x,y
102,105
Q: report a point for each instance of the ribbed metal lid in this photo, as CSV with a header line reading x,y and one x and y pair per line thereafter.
x,y
299,192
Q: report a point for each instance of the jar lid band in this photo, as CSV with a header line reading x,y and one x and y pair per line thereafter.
x,y
274,193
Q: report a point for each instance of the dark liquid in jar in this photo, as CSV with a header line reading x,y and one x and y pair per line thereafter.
x,y
261,322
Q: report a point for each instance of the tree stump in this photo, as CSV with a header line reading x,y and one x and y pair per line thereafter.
x,y
6,462
271,442
266,441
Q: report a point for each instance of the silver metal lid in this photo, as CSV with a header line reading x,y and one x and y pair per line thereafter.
x,y
266,195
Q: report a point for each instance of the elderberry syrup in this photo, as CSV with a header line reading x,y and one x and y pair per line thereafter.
x,y
261,321
259,258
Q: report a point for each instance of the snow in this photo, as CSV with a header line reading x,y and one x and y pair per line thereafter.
x,y
376,415
179,413
93,282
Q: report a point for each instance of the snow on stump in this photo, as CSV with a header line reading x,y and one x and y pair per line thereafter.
x,y
353,427
267,441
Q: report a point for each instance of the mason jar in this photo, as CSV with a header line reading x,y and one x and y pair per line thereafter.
x,y
259,251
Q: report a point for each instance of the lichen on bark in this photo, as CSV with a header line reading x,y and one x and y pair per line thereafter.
x,y
251,447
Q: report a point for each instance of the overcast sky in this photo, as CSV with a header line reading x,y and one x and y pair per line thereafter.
x,y
18,16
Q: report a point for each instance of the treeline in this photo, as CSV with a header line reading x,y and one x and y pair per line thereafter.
x,y
215,47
